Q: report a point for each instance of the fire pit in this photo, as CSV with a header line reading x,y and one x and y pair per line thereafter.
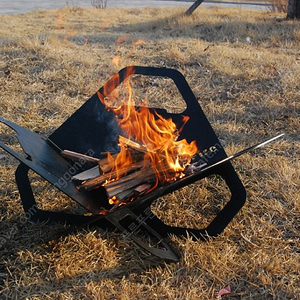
x,y
120,198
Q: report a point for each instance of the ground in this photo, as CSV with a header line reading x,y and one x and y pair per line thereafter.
x,y
244,68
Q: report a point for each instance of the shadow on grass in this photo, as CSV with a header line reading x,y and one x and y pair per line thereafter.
x,y
28,240
232,31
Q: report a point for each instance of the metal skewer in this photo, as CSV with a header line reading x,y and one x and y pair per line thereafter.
x,y
196,167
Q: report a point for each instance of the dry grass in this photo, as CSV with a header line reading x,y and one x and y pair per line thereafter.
x,y
51,62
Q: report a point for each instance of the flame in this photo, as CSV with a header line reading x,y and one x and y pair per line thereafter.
x,y
110,160
113,200
165,152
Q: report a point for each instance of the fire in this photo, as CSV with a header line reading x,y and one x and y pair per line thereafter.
x,y
158,137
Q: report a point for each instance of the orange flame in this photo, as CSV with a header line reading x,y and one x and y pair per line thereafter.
x,y
167,155
113,200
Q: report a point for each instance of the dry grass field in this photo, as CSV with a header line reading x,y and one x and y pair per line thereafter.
x,y
243,66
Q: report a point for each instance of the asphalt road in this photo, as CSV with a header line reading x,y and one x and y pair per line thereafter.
x,y
23,6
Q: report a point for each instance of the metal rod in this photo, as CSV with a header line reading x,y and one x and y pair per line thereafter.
x,y
200,168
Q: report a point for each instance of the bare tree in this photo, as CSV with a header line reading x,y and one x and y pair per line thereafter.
x,y
293,11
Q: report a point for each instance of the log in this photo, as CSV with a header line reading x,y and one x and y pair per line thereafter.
x,y
78,156
141,189
88,174
130,181
134,145
97,181
135,181
124,196
130,195
129,185
104,164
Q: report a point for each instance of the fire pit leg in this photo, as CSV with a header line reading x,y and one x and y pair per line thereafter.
x,y
35,214
134,225
221,220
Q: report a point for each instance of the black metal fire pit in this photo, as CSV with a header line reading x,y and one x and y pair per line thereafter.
x,y
75,134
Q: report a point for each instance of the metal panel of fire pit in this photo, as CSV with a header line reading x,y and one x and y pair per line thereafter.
x,y
93,127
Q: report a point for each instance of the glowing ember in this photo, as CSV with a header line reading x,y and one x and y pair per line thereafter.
x,y
156,137
113,200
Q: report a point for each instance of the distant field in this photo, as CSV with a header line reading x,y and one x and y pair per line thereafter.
x,y
243,66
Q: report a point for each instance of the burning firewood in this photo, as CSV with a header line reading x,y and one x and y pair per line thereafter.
x,y
127,182
131,144
144,169
99,180
129,195
103,167
105,164
130,181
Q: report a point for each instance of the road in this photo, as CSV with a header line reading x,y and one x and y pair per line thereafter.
x,y
23,6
